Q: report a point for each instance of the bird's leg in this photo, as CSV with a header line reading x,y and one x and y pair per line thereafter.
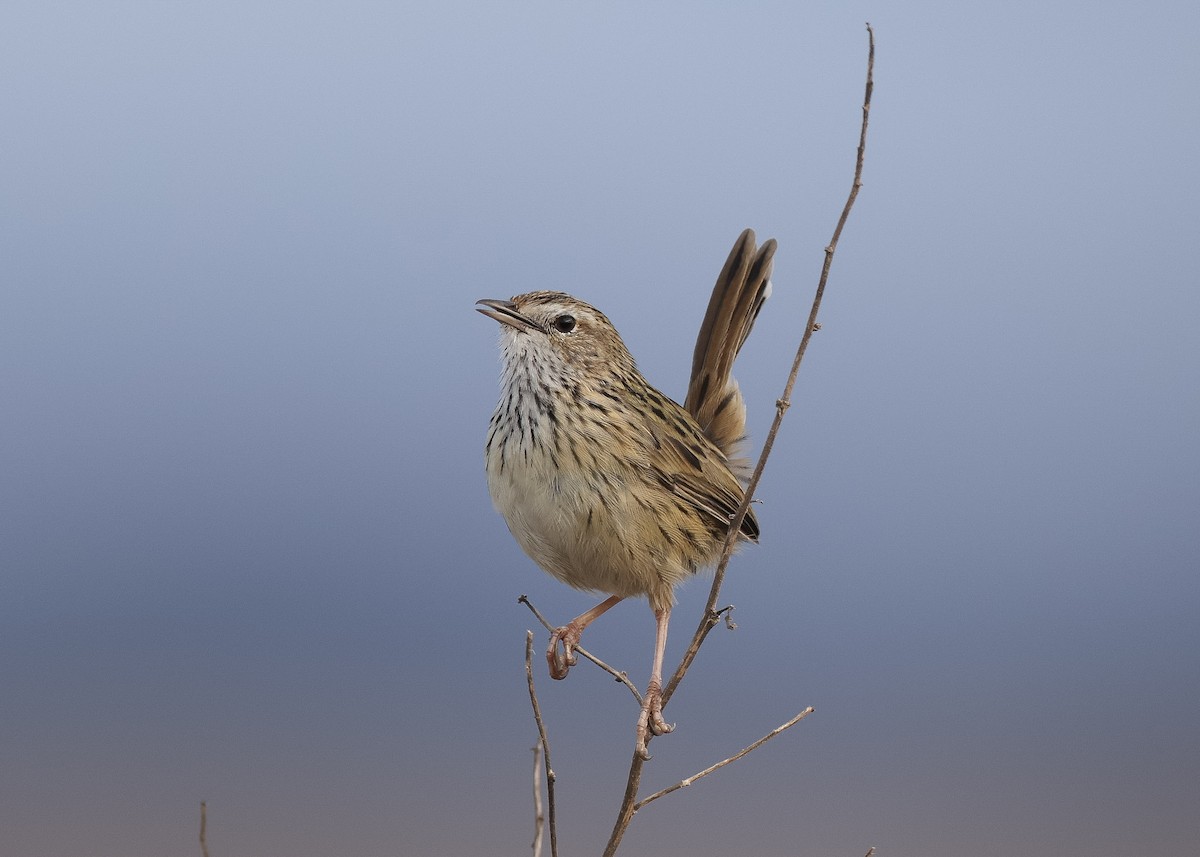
x,y
568,635
651,719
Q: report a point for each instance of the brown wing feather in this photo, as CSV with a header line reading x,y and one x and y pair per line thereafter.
x,y
695,472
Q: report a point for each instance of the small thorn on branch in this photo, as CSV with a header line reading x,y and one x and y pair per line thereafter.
x,y
725,613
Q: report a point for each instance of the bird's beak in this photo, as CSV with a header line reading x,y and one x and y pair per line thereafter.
x,y
505,312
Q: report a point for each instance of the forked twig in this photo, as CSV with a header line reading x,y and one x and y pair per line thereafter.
x,y
687,781
710,618
616,674
545,742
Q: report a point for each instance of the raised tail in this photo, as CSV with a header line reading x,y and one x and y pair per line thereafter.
x,y
713,396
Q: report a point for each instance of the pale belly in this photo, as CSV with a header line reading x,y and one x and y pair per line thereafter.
x,y
593,533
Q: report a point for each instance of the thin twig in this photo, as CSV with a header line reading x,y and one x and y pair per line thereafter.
x,y
203,829
710,617
687,781
616,674
545,742
539,818
871,851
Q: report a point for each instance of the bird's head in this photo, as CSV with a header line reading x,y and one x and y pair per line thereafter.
x,y
553,330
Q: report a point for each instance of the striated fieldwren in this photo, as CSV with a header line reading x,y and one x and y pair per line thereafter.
x,y
606,483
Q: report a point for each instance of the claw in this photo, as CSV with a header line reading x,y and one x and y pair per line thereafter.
x,y
568,636
560,659
650,720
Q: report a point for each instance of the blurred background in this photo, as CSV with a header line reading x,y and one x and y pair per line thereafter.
x,y
247,554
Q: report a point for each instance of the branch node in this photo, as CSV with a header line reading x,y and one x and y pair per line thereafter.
x,y
725,613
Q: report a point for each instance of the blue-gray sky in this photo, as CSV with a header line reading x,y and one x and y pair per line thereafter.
x,y
246,548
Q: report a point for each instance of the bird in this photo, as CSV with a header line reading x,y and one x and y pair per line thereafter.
x,y
609,485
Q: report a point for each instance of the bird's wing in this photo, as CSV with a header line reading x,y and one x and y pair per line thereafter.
x,y
685,462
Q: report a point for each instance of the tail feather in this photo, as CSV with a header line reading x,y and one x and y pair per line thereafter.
x,y
713,398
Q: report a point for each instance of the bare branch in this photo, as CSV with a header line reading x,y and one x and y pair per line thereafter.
x,y
687,781
620,676
203,829
545,742
710,619
539,818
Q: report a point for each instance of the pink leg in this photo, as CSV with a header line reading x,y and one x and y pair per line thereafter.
x,y
569,634
651,719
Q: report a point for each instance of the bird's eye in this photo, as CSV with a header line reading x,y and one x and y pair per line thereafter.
x,y
564,323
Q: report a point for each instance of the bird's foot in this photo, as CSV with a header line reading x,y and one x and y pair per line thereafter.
x,y
650,720
560,655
